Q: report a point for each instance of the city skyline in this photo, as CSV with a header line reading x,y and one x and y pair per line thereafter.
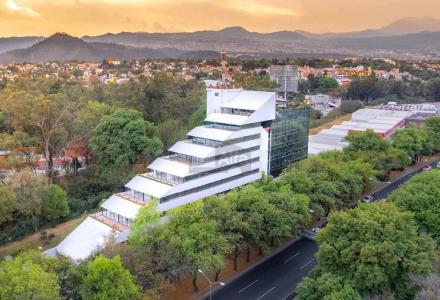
x,y
93,17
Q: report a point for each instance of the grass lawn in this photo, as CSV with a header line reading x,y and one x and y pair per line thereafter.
x,y
34,241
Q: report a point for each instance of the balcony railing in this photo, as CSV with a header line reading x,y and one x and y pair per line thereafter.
x,y
112,223
152,176
129,197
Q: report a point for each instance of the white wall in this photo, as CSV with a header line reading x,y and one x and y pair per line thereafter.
x,y
208,192
215,98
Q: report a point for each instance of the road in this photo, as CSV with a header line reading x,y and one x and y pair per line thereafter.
x,y
278,276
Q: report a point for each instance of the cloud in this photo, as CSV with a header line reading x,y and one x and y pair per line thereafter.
x,y
91,17
261,9
13,6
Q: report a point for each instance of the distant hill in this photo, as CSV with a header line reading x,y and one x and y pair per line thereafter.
x,y
63,47
11,43
229,34
399,27
236,40
412,25
420,42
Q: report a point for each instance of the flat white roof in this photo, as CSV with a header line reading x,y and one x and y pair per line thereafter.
x,y
170,166
192,149
148,186
230,119
378,120
87,238
249,100
121,206
210,133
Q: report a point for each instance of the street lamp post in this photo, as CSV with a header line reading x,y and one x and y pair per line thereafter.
x,y
210,283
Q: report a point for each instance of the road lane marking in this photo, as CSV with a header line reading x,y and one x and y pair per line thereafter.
x,y
308,263
292,257
248,286
266,293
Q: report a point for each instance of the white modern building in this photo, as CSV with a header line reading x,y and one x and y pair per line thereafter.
x,y
232,149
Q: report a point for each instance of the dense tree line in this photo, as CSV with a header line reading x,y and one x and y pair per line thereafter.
x,y
203,234
120,127
371,249
382,248
380,90
32,276
27,202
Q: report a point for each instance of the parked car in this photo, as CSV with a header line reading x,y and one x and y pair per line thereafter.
x,y
427,168
368,199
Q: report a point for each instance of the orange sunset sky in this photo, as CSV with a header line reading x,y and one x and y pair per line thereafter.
x,y
92,17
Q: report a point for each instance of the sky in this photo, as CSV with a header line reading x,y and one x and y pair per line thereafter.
x,y
93,17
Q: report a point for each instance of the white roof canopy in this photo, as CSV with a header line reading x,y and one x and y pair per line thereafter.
x,y
210,133
249,100
148,186
121,206
87,238
227,119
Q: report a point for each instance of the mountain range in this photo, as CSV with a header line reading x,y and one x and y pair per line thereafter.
x,y
409,36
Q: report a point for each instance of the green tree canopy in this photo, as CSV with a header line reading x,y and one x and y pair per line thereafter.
x,y
7,203
326,286
433,125
251,81
421,196
55,205
22,278
374,247
366,141
107,279
121,137
367,146
414,141
197,238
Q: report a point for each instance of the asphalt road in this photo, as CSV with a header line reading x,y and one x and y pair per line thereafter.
x,y
277,277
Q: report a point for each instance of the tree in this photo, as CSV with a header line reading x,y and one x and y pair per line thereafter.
x,y
434,89
7,203
366,141
22,278
44,116
230,221
420,196
197,238
121,137
368,147
146,223
348,107
107,279
365,89
292,210
374,247
30,191
326,286
416,142
55,205
251,81
433,127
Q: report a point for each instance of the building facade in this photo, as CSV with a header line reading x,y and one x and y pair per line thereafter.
x,y
243,138
286,76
